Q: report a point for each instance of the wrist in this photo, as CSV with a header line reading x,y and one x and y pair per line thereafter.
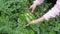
x,y
41,19
35,4
38,2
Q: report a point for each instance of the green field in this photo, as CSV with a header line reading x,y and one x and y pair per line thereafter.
x,y
15,14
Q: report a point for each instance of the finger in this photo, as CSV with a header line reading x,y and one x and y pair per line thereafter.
x,y
33,9
27,25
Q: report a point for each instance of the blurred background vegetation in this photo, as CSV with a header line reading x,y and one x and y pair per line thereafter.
x,y
11,21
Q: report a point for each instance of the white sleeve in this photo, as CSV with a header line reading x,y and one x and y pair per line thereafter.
x,y
53,12
38,2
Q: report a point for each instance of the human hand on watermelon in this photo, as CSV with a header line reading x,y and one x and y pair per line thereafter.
x,y
37,21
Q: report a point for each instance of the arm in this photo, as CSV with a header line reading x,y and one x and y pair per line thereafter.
x,y
35,4
50,14
53,12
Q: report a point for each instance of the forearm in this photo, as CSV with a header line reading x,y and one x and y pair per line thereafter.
x,y
53,12
38,2
50,14
37,21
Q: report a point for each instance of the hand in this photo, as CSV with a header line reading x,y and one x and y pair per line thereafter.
x,y
36,21
32,7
